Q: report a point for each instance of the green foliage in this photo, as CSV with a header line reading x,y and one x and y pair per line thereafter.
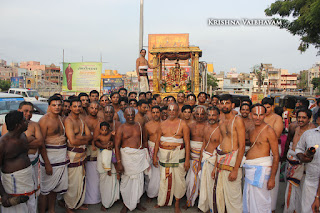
x,y
303,84
4,85
316,83
302,19
257,71
212,81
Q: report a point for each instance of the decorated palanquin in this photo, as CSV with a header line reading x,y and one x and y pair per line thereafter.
x,y
175,79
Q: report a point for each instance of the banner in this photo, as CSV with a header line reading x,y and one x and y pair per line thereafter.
x,y
81,77
17,82
111,85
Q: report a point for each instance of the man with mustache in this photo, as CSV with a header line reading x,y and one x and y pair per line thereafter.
x,y
211,140
230,154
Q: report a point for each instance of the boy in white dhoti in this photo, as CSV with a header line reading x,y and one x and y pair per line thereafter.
x,y
109,184
208,159
173,144
131,161
260,167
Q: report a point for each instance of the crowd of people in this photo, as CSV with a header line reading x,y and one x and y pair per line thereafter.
x,y
221,153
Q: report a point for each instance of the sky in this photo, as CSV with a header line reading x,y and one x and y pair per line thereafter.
x,y
38,30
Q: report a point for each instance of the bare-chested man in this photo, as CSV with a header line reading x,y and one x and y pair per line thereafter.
x,y
164,113
230,154
115,102
202,97
151,130
36,145
104,101
215,100
131,155
151,102
78,135
258,185
92,175
84,98
196,141
211,140
66,108
53,132
141,117
142,65
94,95
191,100
186,114
17,184
109,185
275,121
180,100
173,148
248,123
295,169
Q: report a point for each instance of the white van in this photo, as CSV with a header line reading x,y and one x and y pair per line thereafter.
x,y
9,102
28,95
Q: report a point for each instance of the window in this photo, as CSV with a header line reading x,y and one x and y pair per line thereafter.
x,y
24,94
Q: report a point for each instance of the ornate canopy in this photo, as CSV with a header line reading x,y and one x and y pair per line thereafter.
x,y
176,53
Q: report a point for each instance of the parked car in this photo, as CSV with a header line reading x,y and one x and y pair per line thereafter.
x,y
9,102
28,95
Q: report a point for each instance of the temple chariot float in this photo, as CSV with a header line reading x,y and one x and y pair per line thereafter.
x,y
176,79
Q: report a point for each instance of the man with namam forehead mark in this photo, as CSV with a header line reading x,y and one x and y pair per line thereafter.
x,y
131,155
260,167
196,141
173,145
230,152
211,140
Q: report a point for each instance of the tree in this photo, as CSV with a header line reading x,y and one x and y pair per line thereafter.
x,y
4,85
212,81
316,83
303,20
257,71
303,81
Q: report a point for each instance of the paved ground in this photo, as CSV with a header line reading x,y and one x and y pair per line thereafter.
x,y
118,205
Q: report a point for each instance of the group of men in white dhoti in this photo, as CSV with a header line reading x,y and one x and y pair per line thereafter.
x,y
86,156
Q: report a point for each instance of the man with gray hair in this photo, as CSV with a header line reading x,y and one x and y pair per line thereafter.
x,y
173,145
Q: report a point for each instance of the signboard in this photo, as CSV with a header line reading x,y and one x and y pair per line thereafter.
x,y
81,77
131,84
257,97
17,82
110,85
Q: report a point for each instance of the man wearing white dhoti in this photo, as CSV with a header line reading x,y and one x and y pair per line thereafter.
x,y
92,175
142,65
295,169
173,148
17,186
208,159
228,193
78,135
132,161
276,123
196,141
151,130
260,167
309,141
53,132
36,145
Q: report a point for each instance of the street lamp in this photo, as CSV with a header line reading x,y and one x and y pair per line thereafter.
x,y
141,27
